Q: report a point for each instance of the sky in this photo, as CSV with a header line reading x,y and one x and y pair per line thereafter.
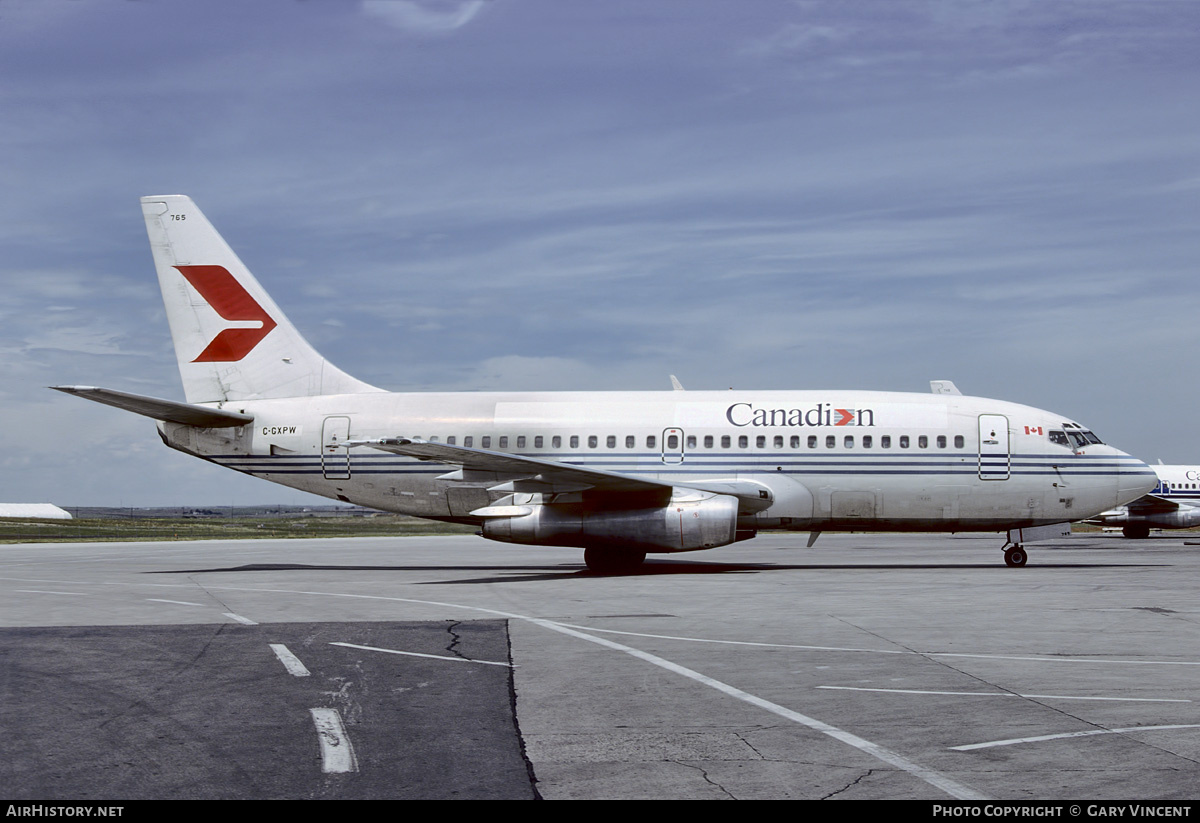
x,y
564,194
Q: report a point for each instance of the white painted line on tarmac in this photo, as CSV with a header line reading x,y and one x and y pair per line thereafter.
x,y
934,778
418,654
1027,658
337,755
43,591
175,602
245,621
1009,694
1040,738
290,661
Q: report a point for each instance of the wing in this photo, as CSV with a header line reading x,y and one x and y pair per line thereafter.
x,y
1151,504
513,472
519,473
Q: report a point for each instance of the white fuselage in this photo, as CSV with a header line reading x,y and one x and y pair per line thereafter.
x,y
831,459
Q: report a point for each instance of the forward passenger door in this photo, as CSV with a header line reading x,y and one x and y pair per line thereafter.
x,y
994,457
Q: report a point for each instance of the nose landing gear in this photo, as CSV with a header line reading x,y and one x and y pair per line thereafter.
x,y
1015,555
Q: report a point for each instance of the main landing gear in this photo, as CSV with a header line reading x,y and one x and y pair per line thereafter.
x,y
1015,555
613,561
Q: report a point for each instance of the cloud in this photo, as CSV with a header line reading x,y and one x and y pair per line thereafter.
x,y
425,16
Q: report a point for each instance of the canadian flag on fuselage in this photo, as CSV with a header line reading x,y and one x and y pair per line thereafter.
x,y
232,342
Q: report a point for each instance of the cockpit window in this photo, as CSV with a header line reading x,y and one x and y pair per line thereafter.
x,y
1080,436
1060,438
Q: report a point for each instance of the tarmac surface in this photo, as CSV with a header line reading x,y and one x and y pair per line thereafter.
x,y
866,667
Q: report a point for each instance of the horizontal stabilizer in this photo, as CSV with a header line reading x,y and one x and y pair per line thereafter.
x,y
169,411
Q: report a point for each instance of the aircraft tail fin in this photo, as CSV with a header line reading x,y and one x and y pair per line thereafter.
x,y
231,340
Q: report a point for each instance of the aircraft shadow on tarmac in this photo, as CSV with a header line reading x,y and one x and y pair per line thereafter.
x,y
650,568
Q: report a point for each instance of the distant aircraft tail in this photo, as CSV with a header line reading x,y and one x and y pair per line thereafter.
x,y
231,340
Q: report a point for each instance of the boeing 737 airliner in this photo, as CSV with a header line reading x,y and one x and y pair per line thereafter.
x,y
1172,504
618,474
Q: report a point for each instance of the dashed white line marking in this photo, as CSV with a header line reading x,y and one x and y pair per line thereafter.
x,y
418,654
245,621
337,755
1009,694
1040,738
175,602
290,661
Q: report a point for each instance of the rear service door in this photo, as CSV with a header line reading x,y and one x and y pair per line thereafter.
x,y
335,458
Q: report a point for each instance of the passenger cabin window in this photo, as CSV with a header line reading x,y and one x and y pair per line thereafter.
x,y
611,441
760,442
630,441
691,441
708,441
922,442
812,441
556,442
848,441
885,441
651,440
520,441
941,441
959,442
593,442
743,441
725,441
468,440
867,441
485,442
450,440
672,441
537,441
830,441
574,441
504,442
794,441
904,441
778,441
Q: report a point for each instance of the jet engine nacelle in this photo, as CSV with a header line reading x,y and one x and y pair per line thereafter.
x,y
1182,518
690,522
1178,519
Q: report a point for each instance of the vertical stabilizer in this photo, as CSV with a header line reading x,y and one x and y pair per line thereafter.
x,y
231,340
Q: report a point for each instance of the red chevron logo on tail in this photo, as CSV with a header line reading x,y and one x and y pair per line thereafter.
x,y
228,299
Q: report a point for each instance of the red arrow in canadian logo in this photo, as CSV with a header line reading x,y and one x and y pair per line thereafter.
x,y
228,299
845,417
